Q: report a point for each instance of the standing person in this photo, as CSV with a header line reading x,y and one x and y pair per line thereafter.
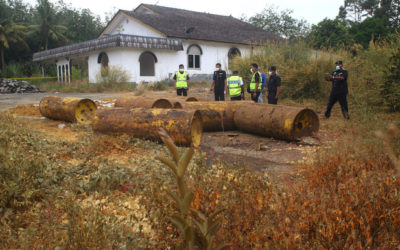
x,y
264,84
256,82
219,83
181,81
339,90
274,85
235,87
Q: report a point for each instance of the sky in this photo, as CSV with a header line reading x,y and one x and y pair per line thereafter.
x,y
313,11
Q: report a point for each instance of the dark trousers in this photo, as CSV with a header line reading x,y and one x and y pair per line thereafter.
x,y
272,99
257,96
342,98
236,98
219,95
181,92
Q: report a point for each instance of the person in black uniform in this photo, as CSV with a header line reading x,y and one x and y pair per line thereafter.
x,y
274,85
219,83
339,90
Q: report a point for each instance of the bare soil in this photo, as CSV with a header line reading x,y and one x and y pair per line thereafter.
x,y
260,153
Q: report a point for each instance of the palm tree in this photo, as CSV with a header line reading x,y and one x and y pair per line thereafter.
x,y
9,33
47,24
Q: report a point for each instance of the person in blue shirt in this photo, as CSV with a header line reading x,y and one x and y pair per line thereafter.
x,y
264,83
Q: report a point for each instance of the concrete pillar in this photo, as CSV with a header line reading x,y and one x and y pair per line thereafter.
x,y
62,73
65,72
58,73
69,71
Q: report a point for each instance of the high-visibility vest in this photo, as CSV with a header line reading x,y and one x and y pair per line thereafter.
x,y
253,82
234,86
181,80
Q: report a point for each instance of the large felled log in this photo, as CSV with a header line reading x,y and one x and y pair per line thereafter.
x,y
130,101
216,116
70,109
184,126
281,122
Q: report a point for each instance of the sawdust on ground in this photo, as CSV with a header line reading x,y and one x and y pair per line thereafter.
x,y
53,129
29,110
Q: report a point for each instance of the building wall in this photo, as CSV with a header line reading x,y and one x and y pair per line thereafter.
x,y
167,61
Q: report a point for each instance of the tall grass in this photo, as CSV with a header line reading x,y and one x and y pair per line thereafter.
x,y
302,69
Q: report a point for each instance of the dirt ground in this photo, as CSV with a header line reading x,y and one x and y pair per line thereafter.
x,y
233,147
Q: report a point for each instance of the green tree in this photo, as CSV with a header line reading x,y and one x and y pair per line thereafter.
x,y
9,33
47,24
19,12
280,23
82,25
390,10
370,29
329,33
358,10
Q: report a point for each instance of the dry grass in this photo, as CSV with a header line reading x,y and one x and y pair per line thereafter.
x,y
71,188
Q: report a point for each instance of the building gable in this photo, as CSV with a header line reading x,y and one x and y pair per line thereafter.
x,y
128,25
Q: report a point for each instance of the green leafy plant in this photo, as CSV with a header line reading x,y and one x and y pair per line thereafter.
x,y
198,230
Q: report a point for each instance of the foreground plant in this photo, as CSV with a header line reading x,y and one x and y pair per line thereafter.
x,y
196,228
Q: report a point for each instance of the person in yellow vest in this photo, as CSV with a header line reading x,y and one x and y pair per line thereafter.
x,y
235,87
255,84
181,81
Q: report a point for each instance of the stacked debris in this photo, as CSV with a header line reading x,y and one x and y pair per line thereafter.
x,y
15,86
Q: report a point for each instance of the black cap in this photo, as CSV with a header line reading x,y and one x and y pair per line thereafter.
x,y
235,72
254,65
272,68
181,65
339,63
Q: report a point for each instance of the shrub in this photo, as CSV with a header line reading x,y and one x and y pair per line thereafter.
x,y
390,90
14,70
300,68
108,76
159,85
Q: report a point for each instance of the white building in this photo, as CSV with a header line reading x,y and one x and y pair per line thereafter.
x,y
151,41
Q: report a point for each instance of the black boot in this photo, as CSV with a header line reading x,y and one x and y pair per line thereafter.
x,y
346,115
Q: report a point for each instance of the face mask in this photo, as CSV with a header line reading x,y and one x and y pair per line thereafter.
x,y
251,70
337,67
181,70
270,73
217,69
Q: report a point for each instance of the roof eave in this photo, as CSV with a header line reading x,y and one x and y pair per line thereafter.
x,y
122,41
